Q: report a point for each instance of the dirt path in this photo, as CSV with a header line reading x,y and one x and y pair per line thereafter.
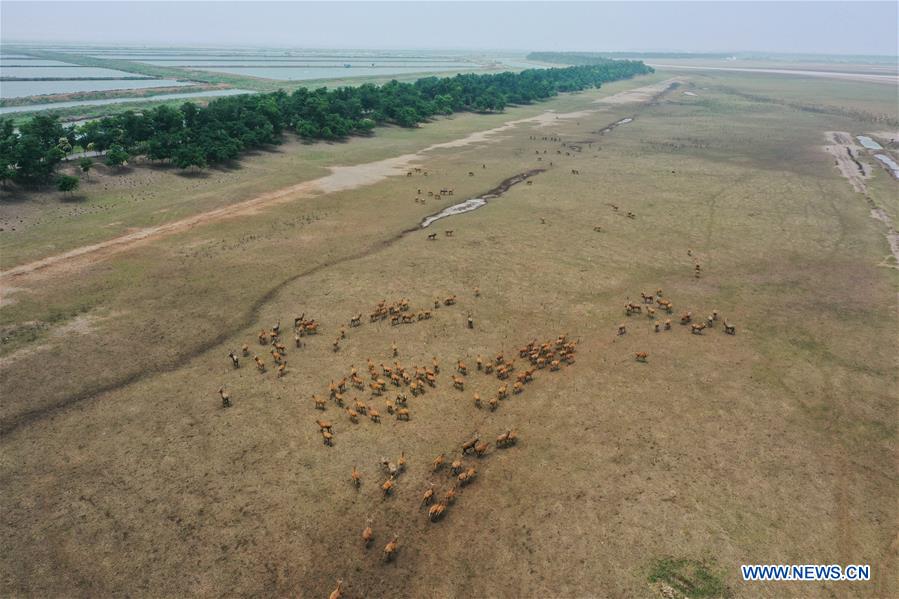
x,y
341,178
888,79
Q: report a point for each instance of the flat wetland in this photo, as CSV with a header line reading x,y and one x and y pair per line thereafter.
x,y
122,474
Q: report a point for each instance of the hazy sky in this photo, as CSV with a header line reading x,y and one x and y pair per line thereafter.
x,y
813,27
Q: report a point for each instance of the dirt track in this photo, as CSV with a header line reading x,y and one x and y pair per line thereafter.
x,y
342,178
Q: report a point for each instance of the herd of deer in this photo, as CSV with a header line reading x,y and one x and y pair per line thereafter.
x,y
648,300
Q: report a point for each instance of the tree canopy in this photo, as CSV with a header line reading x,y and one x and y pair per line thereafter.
x,y
195,136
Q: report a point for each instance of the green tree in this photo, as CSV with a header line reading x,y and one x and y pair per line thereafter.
x,y
86,164
117,156
67,184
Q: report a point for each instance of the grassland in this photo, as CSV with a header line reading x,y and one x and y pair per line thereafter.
x,y
121,473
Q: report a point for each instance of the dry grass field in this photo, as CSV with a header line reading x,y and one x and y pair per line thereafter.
x,y
122,474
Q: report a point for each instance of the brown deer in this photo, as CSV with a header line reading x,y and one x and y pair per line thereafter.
x,y
245,350
469,445
356,477
450,495
696,329
481,448
260,365
428,495
390,548
458,383
402,414
387,487
436,511
729,328
234,361
641,356
337,593
438,463
506,439
368,535
226,399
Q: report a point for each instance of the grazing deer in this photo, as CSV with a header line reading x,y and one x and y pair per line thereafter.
x,y
260,365
387,487
477,400
449,232
353,415
390,406
493,403
517,387
469,445
696,329
245,350
506,439
456,467
458,383
467,476
263,337
488,368
461,368
450,495
401,463
650,312
449,301
470,321
555,365
234,361
402,414
667,324
319,403
480,362
436,511
328,438
481,448
391,548
432,237
641,356
337,593
282,369
686,317
438,463
729,328
657,326
428,495
323,425
714,314
226,399
374,414
359,406
356,477
368,535
502,392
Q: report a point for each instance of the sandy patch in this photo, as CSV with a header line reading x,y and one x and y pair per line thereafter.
x,y
640,94
846,157
887,79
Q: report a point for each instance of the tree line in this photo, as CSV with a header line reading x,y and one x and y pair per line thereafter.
x,y
197,136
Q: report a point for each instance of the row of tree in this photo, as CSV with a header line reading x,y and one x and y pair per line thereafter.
x,y
195,136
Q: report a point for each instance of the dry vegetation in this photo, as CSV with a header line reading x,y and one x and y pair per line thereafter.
x,y
122,473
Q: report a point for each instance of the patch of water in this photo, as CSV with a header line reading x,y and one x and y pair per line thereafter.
x,y
890,163
868,142
57,105
689,94
461,208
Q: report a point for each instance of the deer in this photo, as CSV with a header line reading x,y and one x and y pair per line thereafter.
x,y
245,350
461,368
263,337
506,439
449,301
323,425
374,415
667,324
402,414
282,369
368,535
458,383
436,511
477,400
502,392
432,237
226,399
450,495
517,387
469,445
391,548
438,463
337,593
428,495
696,329
234,361
686,317
467,476
353,415
328,438
401,463
641,356
729,328
356,477
481,448
260,365
449,232
387,487
493,403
